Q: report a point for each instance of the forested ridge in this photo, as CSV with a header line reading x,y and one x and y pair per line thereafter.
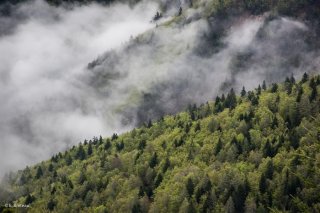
x,y
256,152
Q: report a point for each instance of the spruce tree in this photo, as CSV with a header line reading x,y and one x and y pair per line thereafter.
x,y
81,154
89,151
154,160
243,92
264,85
305,78
190,187
107,145
39,172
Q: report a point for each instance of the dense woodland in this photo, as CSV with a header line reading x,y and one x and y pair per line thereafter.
x,y
256,152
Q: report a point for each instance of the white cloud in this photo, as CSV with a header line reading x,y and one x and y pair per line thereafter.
x,y
45,106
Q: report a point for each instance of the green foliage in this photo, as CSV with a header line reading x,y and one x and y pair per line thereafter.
x,y
255,153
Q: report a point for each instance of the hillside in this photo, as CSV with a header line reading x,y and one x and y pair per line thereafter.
x,y
257,152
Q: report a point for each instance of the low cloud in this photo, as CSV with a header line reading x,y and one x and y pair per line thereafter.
x,y
45,105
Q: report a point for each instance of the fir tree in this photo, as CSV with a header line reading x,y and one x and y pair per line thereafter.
x,y
190,187
243,92
264,85
154,160
89,151
305,78
39,173
81,154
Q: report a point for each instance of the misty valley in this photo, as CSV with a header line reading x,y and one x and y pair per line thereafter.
x,y
159,106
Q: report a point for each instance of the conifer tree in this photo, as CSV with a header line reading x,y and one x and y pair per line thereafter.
x,y
81,154
154,160
243,92
190,187
89,151
39,173
305,78
264,85
107,145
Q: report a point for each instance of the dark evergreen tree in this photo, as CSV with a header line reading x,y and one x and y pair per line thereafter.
x,y
223,98
263,184
208,204
267,149
114,136
39,173
314,94
51,205
300,92
53,191
136,208
243,92
166,165
218,147
107,145
68,160
142,144
190,187
141,192
100,140
197,127
29,199
149,192
50,167
259,90
217,101
269,170
154,160
81,154
119,146
89,151
231,100
191,208
264,85
274,88
305,78
82,178
239,197
312,83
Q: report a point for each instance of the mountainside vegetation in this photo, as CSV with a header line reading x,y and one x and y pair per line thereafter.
x,y
256,152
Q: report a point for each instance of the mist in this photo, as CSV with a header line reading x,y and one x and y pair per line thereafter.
x,y
73,73
195,60
45,105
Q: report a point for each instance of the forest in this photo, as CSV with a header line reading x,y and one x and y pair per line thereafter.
x,y
242,151
257,151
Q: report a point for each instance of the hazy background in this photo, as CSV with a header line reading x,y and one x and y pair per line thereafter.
x,y
67,74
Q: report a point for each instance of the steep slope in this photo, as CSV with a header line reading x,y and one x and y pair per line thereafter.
x,y
258,152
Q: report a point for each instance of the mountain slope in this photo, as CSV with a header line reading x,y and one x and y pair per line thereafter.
x,y
254,153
